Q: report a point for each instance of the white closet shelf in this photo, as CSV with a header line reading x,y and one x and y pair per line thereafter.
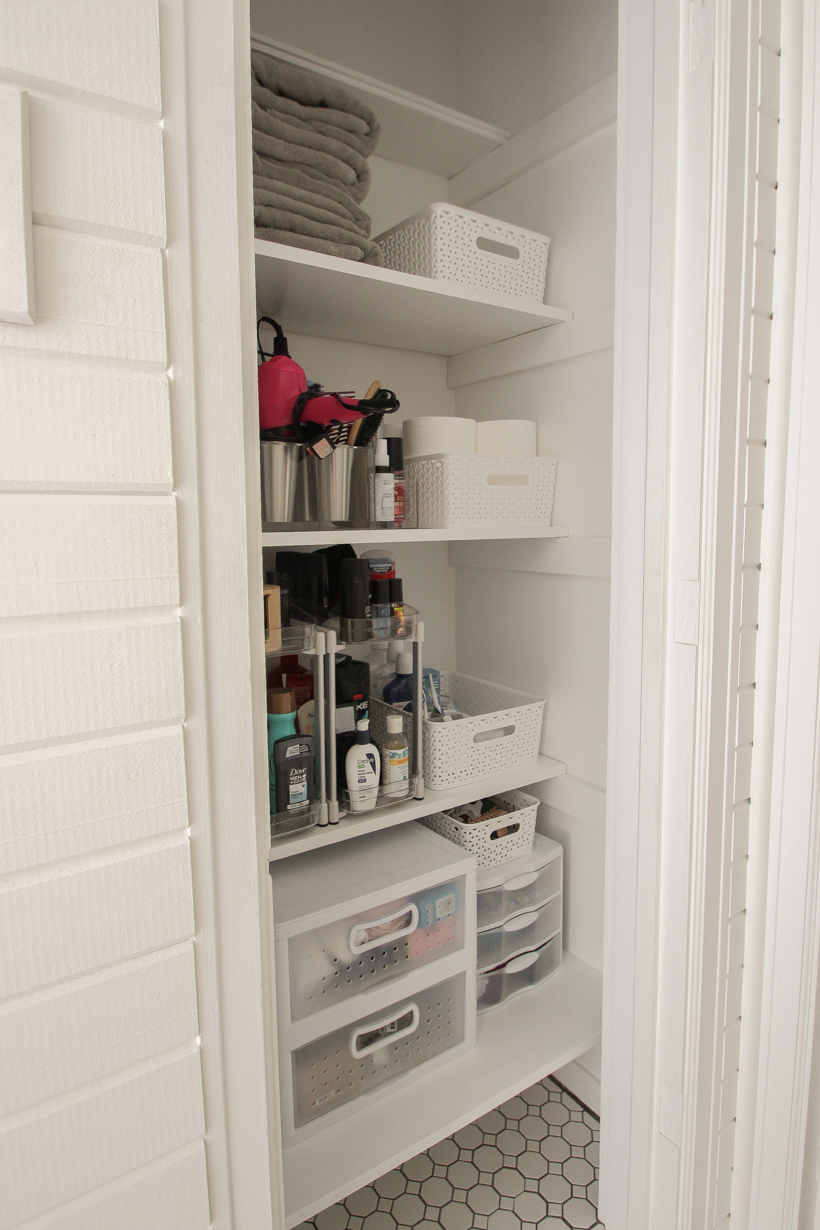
x,y
325,296
539,770
321,538
519,1043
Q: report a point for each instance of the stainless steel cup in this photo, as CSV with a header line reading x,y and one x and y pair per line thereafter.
x,y
279,464
334,475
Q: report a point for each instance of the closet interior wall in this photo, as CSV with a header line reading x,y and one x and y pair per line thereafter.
x,y
545,74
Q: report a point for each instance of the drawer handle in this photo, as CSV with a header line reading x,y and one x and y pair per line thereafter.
x,y
362,937
523,962
521,921
522,881
369,1038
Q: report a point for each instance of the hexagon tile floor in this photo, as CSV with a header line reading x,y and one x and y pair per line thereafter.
x,y
530,1165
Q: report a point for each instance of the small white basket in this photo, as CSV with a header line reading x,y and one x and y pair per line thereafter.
x,y
481,838
502,729
451,489
457,245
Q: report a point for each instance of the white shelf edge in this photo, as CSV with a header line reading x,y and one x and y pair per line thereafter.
x,y
307,538
540,770
382,89
519,1043
541,314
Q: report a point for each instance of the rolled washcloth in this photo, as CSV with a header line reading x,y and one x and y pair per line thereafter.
x,y
311,141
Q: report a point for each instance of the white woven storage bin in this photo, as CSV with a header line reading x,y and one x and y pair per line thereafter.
x,y
481,838
502,730
457,245
451,489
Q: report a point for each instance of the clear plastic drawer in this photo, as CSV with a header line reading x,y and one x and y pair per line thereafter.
x,y
343,958
349,1062
518,974
528,930
521,891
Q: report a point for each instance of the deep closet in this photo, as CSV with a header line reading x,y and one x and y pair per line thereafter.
x,y
516,120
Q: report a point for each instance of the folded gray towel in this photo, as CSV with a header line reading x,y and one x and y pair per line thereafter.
x,y
308,179
272,217
311,142
281,150
311,91
348,128
310,205
333,158
351,252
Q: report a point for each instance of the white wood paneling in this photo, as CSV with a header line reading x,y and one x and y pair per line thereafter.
x,y
16,253
583,335
64,921
105,1022
81,47
62,554
96,170
577,556
171,1194
111,1128
83,427
95,297
41,667
49,812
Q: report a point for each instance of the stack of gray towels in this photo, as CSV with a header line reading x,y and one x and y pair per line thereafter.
x,y
311,142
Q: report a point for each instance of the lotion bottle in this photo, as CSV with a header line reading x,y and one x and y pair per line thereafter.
x,y
362,770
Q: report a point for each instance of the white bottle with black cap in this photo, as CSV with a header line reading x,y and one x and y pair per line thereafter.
x,y
363,770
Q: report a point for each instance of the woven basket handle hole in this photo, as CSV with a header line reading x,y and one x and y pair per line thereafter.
x,y
504,832
499,249
503,732
508,480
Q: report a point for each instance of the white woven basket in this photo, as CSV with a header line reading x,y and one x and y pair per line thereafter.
x,y
478,837
457,245
453,489
501,731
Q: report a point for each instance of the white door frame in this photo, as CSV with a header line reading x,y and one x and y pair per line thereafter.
x,y
783,944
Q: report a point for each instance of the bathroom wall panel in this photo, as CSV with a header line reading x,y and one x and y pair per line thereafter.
x,y
70,553
105,1021
583,883
50,813
83,427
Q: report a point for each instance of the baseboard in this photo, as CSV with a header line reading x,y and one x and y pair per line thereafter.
x,y
581,1084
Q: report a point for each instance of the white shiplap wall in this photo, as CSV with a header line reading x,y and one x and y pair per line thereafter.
x,y
101,1107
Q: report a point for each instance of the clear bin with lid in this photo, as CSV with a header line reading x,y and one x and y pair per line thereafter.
x,y
358,1058
520,884
334,941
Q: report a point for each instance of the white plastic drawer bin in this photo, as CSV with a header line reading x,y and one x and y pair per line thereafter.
x,y
352,917
355,1060
518,974
522,884
492,841
502,730
523,931
458,245
455,489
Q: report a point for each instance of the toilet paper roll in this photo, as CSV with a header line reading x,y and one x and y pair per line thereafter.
x,y
507,438
438,435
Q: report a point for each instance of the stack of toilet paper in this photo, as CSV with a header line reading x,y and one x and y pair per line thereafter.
x,y
430,436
